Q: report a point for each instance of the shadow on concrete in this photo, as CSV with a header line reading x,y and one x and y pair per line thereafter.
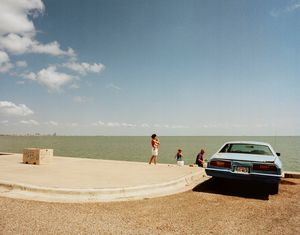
x,y
287,182
236,188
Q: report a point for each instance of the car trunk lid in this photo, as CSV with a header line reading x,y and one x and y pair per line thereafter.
x,y
245,157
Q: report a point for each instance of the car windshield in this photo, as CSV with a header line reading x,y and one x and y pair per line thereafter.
x,y
247,149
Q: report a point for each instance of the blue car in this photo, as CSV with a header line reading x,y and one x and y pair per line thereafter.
x,y
247,160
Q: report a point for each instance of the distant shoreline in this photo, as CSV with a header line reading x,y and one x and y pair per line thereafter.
x,y
51,135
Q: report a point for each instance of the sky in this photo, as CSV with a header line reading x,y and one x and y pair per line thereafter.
x,y
137,67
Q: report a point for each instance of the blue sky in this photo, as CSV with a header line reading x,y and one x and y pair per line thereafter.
x,y
139,67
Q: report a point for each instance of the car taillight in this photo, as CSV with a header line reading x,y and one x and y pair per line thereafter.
x,y
264,167
225,164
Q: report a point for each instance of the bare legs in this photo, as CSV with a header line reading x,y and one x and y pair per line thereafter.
x,y
153,158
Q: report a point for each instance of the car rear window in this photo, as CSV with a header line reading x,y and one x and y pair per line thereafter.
x,y
247,149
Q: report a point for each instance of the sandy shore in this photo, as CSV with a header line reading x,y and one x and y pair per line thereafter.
x,y
213,207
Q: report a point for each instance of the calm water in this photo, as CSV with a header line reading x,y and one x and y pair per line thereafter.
x,y
138,148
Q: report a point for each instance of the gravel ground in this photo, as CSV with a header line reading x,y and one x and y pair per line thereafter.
x,y
213,207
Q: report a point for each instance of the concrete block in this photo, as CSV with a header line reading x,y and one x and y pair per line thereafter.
x,y
37,156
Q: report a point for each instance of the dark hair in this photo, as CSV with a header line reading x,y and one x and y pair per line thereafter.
x,y
153,136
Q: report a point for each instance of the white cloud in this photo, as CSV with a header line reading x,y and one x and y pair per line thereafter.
x,y
73,124
114,124
75,86
51,78
14,15
52,123
17,31
161,126
99,123
30,122
167,126
133,125
21,63
113,86
288,9
123,124
84,68
31,76
3,57
81,99
52,48
15,44
18,44
5,65
293,7
179,127
11,109
18,36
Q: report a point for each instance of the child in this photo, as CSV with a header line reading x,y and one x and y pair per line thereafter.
x,y
179,157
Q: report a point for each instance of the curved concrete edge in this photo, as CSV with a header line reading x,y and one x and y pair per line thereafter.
x,y
37,193
291,174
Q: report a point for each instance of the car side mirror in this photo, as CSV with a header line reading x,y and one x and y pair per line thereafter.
x,y
278,154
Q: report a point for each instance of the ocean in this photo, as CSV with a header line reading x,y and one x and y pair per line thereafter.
x,y
139,149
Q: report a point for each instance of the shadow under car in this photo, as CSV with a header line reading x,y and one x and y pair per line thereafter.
x,y
238,188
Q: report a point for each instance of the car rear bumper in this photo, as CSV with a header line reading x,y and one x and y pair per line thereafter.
x,y
268,178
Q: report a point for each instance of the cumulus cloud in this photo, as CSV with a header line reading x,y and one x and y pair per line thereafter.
x,y
14,16
293,7
167,126
18,37
5,67
11,109
99,123
5,64
3,57
21,63
81,99
50,78
133,125
113,86
30,122
17,31
84,68
73,124
114,124
18,44
52,123
52,48
288,9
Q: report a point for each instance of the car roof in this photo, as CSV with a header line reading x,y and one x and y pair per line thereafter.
x,y
247,142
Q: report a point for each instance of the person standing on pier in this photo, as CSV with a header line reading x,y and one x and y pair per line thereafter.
x,y
155,144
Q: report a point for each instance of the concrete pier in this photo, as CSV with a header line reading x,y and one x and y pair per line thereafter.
x,y
90,180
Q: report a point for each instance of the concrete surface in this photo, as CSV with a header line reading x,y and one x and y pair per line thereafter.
x,y
90,180
292,174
